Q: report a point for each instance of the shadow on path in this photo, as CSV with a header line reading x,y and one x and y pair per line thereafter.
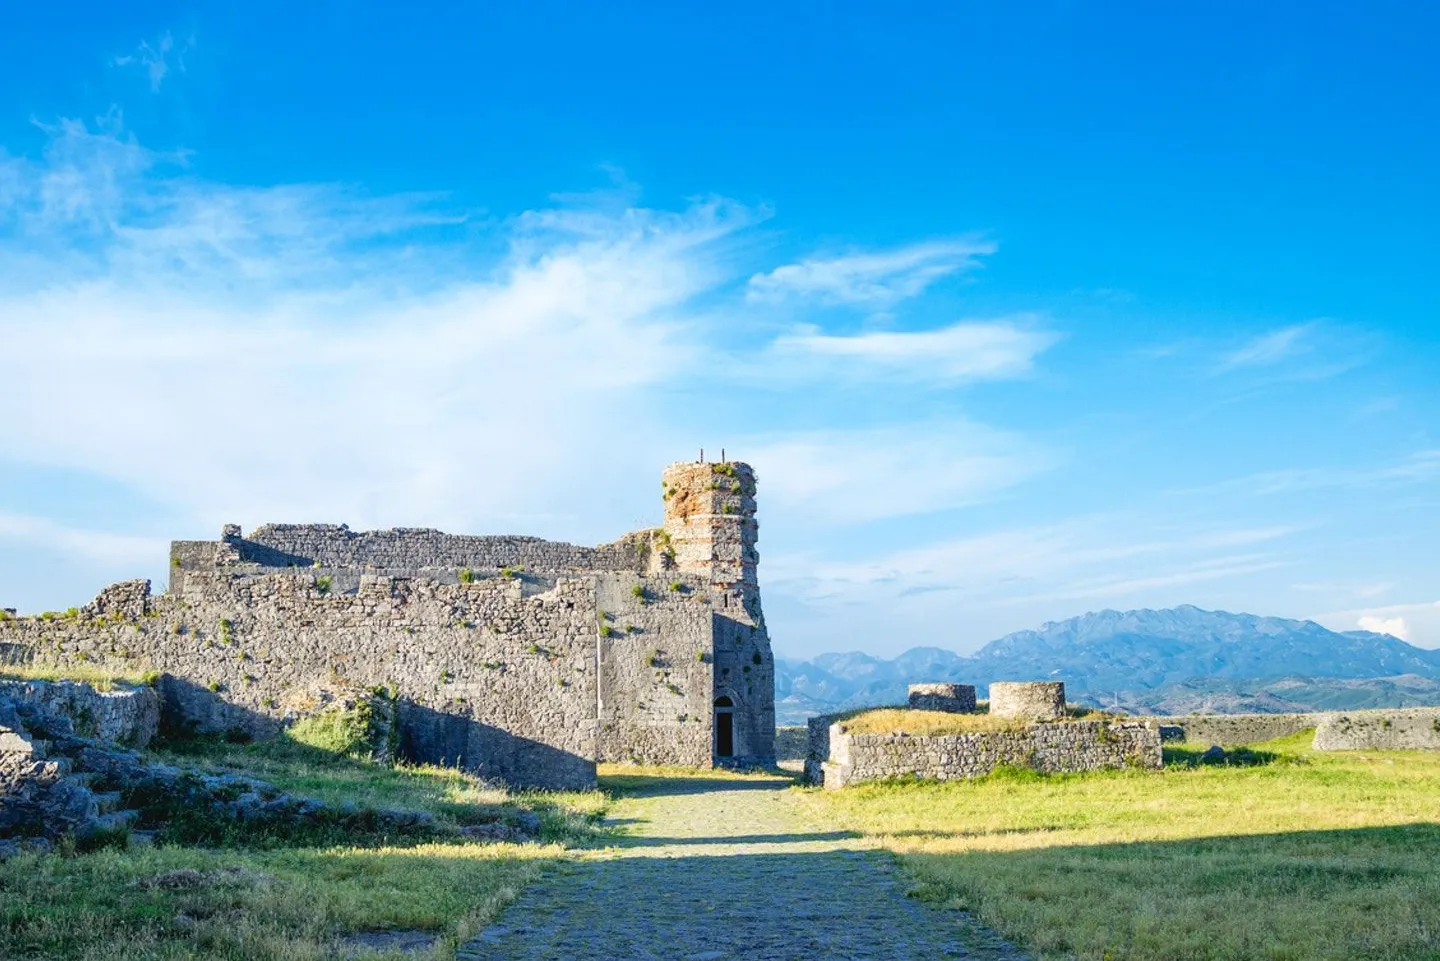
x,y
717,868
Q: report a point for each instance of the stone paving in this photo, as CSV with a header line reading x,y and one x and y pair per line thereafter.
x,y
710,869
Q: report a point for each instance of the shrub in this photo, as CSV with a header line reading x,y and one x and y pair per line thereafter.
x,y
676,586
467,576
337,730
757,659
323,583
638,591
653,659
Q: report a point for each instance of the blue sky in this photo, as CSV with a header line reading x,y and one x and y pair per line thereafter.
x,y
1019,310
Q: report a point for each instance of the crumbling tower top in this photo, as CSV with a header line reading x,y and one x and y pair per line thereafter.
x,y
710,521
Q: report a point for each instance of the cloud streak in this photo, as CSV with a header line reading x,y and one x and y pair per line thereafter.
x,y
869,279
153,58
968,350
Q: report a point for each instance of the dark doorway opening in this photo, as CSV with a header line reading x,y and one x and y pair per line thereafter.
x,y
724,727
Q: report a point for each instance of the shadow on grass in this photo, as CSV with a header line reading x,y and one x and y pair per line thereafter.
x,y
1336,894
454,798
1192,757
1369,892
632,841
642,784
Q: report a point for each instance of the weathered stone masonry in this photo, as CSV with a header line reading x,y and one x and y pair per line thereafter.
x,y
519,658
1047,747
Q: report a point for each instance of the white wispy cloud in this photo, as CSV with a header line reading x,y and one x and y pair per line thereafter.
x,y
1269,348
1088,557
869,279
101,547
301,352
1418,467
968,350
155,58
866,474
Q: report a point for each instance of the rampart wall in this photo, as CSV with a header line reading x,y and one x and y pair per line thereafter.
x,y
416,549
1233,730
1372,730
1047,747
123,715
497,675
1414,729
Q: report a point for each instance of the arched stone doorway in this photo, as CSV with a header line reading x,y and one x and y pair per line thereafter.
x,y
724,727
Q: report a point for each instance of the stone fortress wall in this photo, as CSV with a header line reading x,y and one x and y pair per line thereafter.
x,y
1380,729
521,659
1048,748
838,757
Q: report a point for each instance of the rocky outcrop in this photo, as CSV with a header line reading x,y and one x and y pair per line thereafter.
x,y
58,786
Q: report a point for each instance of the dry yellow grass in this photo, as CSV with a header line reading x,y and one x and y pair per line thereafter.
x,y
102,679
900,720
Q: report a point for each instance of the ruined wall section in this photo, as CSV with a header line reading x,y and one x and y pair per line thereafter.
x,y
337,551
1051,748
656,671
1417,729
497,676
1233,730
710,532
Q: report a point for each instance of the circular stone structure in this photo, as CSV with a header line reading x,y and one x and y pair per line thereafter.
x,y
954,698
1038,700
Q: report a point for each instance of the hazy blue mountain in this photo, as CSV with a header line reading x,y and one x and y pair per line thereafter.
x,y
1179,659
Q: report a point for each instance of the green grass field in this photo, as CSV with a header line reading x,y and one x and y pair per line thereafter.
x,y
258,899
1291,854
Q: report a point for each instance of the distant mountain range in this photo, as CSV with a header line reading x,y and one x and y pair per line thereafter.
x,y
1171,661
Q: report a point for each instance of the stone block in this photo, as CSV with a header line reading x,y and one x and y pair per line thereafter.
x,y
953,698
1036,700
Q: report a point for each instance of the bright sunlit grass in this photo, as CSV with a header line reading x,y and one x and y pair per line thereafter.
x,y
1301,855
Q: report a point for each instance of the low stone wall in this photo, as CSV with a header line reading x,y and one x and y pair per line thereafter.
x,y
125,715
817,741
952,698
1051,748
1040,700
1417,729
1233,730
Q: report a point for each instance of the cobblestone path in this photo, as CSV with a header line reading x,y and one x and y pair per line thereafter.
x,y
714,869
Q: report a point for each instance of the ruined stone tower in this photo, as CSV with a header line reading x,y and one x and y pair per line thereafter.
x,y
710,531
710,522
